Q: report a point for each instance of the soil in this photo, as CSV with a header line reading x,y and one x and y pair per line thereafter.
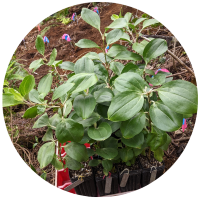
x,y
99,171
86,171
25,135
146,163
122,166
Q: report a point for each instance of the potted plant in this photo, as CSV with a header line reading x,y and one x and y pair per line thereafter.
x,y
103,98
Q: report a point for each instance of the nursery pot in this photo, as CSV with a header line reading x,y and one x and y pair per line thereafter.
x,y
101,183
146,173
87,188
133,182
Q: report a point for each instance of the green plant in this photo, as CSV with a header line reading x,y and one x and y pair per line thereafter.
x,y
14,72
35,144
64,20
120,103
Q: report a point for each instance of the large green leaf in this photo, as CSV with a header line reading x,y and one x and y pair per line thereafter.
x,y
90,152
15,93
107,153
149,22
55,120
125,37
8,100
39,44
157,79
107,165
87,122
130,82
116,67
69,130
48,135
180,96
139,48
133,126
84,65
130,67
126,154
56,163
102,110
77,151
30,112
103,132
84,105
166,145
139,20
62,90
101,71
36,64
93,163
158,140
126,55
116,49
164,118
45,154
114,125
52,57
45,83
86,43
127,16
114,36
154,49
91,18
67,108
92,55
158,154
111,142
135,142
42,121
27,85
118,23
103,95
85,138
34,96
82,81
125,105
72,164
67,65
97,86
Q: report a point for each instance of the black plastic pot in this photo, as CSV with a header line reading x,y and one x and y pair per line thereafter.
x,y
101,182
146,174
133,182
87,188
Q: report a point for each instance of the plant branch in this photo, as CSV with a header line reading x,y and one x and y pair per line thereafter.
x,y
176,74
182,139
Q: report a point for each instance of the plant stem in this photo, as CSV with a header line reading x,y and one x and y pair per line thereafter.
x,y
59,150
59,74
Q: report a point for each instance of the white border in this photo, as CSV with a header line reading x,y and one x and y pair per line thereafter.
x,y
18,182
